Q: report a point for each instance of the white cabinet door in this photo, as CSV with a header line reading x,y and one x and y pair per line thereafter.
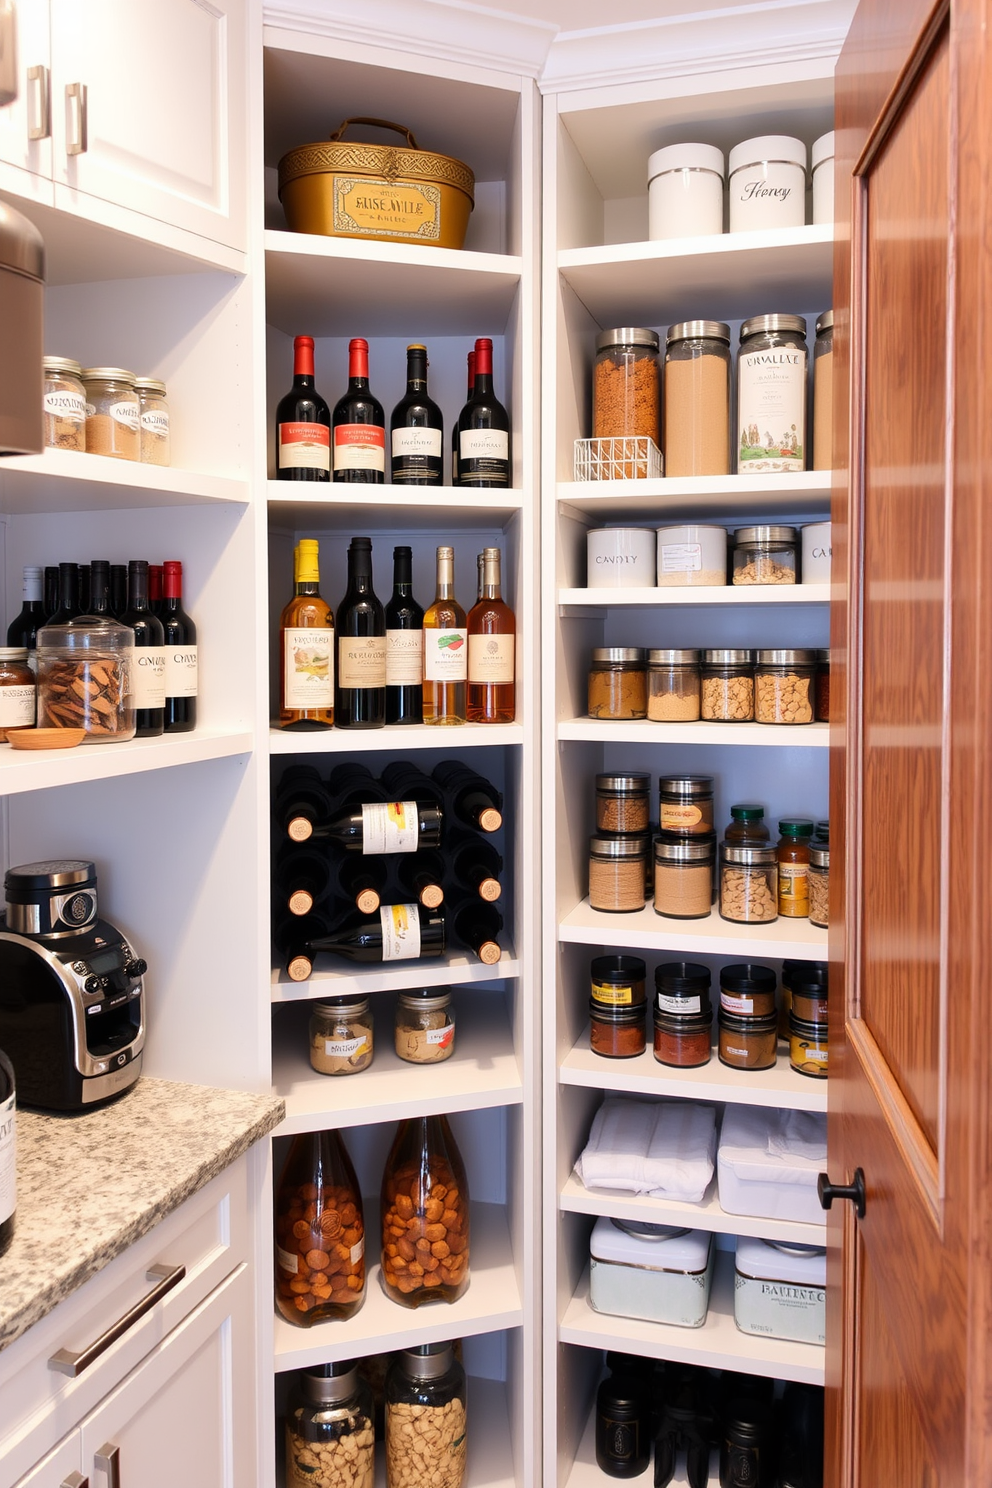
x,y
148,109
57,1469
186,1415
26,163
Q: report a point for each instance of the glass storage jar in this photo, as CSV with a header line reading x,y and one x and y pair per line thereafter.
x,y
618,682
623,802
626,384
685,191
682,987
685,805
683,1040
823,394
771,395
426,1439
697,398
616,1032
84,678
819,884
341,1036
747,990
617,981
765,555
808,1052
821,689
155,446
683,876
747,824
673,686
748,883
783,686
748,1043
727,686
113,414
64,404
425,1215
616,874
425,1025
808,991
330,1429
793,868
17,691
320,1232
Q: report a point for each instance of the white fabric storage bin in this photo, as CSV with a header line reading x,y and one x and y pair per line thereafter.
x,y
755,1179
652,1272
780,1291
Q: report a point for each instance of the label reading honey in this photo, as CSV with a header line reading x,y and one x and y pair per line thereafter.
x,y
390,827
308,654
387,209
400,932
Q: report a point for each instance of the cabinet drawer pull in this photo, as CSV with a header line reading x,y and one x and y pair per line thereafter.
x,y
75,118
73,1364
75,1480
108,1460
39,104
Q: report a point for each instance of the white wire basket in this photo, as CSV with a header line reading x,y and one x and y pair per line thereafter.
x,y
633,458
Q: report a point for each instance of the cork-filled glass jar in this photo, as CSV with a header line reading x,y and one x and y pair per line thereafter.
x,y
626,383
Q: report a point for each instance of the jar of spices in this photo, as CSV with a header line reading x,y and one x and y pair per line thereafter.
x,y
821,687
17,691
685,804
727,686
685,192
616,874
617,981
330,1429
113,414
682,988
154,421
425,1025
747,990
673,686
783,686
697,398
341,1039
808,1047
616,1032
819,884
623,802
747,824
64,404
748,1043
808,989
84,678
793,868
626,383
823,393
426,1439
748,883
765,555
767,183
618,682
683,1023
771,395
683,876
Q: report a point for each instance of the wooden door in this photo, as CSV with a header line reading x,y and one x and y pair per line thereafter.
x,y
909,1342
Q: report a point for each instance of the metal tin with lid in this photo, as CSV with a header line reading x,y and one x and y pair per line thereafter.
x,y
821,159
767,185
685,191
780,1290
658,1273
617,683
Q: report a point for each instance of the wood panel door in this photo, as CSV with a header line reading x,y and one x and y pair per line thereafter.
x,y
911,765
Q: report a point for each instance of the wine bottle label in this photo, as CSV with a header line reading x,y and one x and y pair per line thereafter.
x,y
360,447
491,658
8,1159
309,667
400,932
390,827
17,706
148,676
125,413
420,441
484,457
71,406
404,658
304,447
445,655
361,661
180,671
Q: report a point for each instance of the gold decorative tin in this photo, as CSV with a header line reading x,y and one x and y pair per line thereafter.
x,y
385,192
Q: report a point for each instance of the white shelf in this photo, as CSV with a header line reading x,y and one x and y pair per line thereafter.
x,y
332,285
721,277
482,1072
653,932
701,497
395,737
491,1304
755,735
707,1215
67,480
704,595
295,505
40,769
446,971
781,1087
718,1344
586,1472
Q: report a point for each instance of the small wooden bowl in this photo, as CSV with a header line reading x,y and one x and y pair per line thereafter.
x,y
46,738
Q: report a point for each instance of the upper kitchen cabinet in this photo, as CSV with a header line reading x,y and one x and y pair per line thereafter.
x,y
26,124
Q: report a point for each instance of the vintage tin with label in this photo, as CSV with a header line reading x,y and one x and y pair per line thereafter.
x,y
656,1272
780,1290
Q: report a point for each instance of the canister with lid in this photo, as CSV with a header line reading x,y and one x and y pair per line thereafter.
x,y
683,875
658,1273
620,558
426,1439
685,804
64,402
817,546
682,988
156,448
747,990
767,183
683,1015
330,1428
821,158
17,691
748,1043
616,874
341,1036
424,1026
780,1290
618,682
673,686
819,884
748,883
617,981
685,191
765,554
771,395
616,1032
84,678
823,395
626,384
808,991
623,802
697,398
783,686
690,554
727,686
113,414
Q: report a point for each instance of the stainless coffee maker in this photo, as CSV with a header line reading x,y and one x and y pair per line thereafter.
x,y
71,990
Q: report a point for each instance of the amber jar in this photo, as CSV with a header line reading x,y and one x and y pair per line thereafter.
x,y
623,802
747,826
320,1232
821,687
17,691
747,990
808,1047
748,1043
685,804
793,868
616,874
617,981
683,875
425,1215
618,683
683,1042
616,1032
819,884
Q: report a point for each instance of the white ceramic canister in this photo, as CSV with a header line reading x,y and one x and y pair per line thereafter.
x,y
780,1290
620,558
817,553
767,183
685,191
822,164
658,1273
691,555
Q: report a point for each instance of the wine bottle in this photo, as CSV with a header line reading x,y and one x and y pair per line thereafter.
x,y
148,666
99,582
306,648
155,572
302,803
83,580
404,781
483,429
476,865
359,424
404,645
384,827
118,589
180,653
362,881
420,877
51,591
473,800
416,428
477,926
454,428
353,782
401,932
491,650
445,649
301,879
360,690
68,605
318,1166
23,629
303,423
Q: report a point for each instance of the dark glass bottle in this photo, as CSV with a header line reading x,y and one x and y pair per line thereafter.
x,y
68,606
483,429
476,866
23,629
404,645
359,425
420,876
360,682
747,1446
118,589
454,428
416,428
320,1232
354,782
300,880
384,827
477,927
424,1157
51,591
362,881
148,670
99,581
400,932
8,1152
181,654
85,592
472,799
623,1427
155,572
303,423
747,825
302,803
402,780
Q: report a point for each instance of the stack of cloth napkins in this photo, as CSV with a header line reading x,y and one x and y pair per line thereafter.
x,y
663,1148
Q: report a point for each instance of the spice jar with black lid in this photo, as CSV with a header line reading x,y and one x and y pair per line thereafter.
x,y
623,1427
807,1046
685,804
623,802
683,1016
618,682
616,874
727,686
617,981
808,982
747,990
616,1032
682,988
683,875
748,1043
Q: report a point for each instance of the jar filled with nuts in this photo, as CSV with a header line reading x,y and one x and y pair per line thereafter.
x,y
84,678
765,555
623,802
783,686
425,1418
425,1025
819,884
341,1036
617,686
748,883
320,1232
330,1429
425,1215
727,686
673,686
64,404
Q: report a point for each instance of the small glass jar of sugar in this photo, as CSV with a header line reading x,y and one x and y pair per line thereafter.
x,y
685,191
767,183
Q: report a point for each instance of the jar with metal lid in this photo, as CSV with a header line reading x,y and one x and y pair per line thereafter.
x,y
765,555
113,414
426,1438
330,1429
64,403
626,382
771,395
697,398
683,1040
793,868
156,447
808,991
821,687
673,686
17,691
618,682
823,393
623,802
617,981
727,686
691,554
616,1032
685,804
341,1036
767,183
683,876
685,192
616,874
808,1051
748,1043
425,1025
747,824
819,884
747,990
783,686
84,678
748,883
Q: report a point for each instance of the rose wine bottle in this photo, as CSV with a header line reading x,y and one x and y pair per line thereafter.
x,y
303,423
359,425
404,645
360,693
483,429
445,648
306,648
491,650
180,653
416,428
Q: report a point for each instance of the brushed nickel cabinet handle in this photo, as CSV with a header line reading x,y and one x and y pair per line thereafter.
x,y
75,118
39,103
75,1480
108,1460
73,1364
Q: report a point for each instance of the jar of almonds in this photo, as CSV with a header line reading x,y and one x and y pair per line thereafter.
x,y
425,1025
330,1429
320,1232
425,1215
425,1418
84,678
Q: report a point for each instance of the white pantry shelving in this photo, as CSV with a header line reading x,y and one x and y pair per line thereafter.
x,y
727,735
396,737
330,980
645,930
779,1087
704,596
706,1215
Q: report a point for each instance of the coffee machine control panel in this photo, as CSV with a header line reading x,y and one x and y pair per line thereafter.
x,y
107,976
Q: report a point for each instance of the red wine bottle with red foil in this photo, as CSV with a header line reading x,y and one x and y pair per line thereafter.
x,y
180,653
359,437
303,423
483,429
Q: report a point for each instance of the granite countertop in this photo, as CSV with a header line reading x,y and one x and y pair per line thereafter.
x,y
103,1179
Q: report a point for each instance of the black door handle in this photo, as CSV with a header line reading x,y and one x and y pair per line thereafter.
x,y
855,1191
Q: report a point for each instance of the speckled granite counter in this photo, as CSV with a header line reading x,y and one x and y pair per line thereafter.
x,y
104,1179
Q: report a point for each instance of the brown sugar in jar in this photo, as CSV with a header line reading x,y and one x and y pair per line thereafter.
x,y
623,802
626,384
618,683
616,1032
616,874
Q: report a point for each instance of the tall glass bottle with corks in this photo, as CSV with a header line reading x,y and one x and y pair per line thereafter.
x,y
425,1215
320,1232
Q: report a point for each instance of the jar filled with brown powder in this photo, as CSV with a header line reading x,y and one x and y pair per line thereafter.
x,y
683,876
616,874
618,686
112,413
697,398
673,686
623,802
625,384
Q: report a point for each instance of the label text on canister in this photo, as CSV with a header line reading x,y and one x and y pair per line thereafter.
x,y
772,409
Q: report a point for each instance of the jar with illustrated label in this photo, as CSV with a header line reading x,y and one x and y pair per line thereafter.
x,y
64,402
426,1440
320,1232
783,686
697,398
765,555
694,553
748,883
617,874
330,1429
823,398
17,691
727,686
685,192
821,159
113,413
771,395
626,384
767,183
685,805
793,868
425,1025
341,1040
154,420
673,686
617,685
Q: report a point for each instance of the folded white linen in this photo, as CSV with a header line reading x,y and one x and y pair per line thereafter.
x,y
799,1134
744,1145
663,1148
